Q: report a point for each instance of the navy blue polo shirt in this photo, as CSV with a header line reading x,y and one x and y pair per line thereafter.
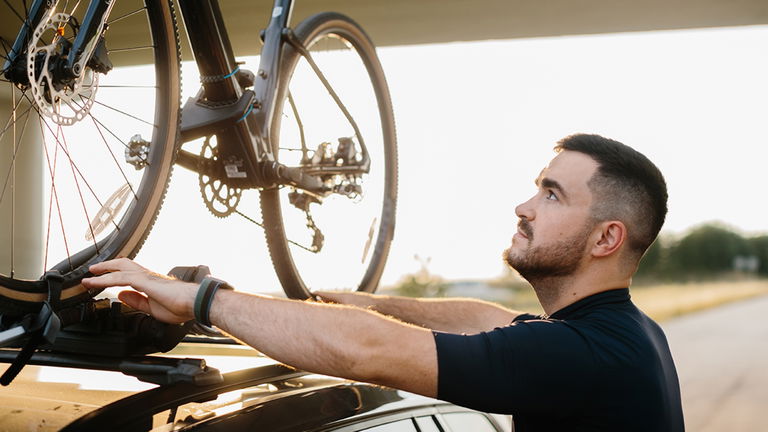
x,y
599,364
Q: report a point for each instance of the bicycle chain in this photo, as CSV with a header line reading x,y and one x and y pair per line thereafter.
x,y
261,225
231,198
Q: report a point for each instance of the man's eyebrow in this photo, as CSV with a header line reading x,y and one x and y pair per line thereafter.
x,y
548,183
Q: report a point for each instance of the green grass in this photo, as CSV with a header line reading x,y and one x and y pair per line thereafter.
x,y
665,301
668,300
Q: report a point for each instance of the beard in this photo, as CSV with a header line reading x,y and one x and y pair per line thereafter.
x,y
550,261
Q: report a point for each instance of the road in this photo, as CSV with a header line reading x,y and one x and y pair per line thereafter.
x,y
722,361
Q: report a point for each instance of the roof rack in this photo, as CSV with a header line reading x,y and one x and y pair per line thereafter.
x,y
135,412
103,334
151,369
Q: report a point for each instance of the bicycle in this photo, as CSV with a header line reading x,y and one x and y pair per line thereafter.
x,y
63,80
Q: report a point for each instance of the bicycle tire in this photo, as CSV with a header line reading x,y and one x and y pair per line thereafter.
x,y
283,254
118,109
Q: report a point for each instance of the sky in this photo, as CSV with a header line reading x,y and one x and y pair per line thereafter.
x,y
477,121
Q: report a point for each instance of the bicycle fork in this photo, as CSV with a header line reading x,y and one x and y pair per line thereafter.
x,y
86,49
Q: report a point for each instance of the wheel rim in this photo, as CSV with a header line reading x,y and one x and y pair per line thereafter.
x,y
100,168
351,227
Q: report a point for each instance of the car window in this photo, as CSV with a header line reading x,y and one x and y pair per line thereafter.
x,y
468,422
396,426
426,424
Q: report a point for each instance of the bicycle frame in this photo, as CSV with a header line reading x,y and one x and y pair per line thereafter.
x,y
225,101
240,118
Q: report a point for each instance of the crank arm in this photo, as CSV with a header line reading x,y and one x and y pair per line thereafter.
x,y
198,164
362,168
280,174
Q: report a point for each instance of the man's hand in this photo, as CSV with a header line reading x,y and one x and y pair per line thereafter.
x,y
164,298
320,338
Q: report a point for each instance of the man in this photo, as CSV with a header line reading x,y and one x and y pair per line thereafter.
x,y
592,362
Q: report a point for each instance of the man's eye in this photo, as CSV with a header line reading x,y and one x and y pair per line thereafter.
x,y
551,196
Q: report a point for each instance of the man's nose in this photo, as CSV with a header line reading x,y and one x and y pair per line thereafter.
x,y
525,210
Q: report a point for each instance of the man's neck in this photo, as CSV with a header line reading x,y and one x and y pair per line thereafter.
x,y
555,293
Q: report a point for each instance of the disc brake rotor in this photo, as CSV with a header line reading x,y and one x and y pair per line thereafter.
x,y
63,101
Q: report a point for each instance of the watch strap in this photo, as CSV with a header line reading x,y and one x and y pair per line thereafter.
x,y
208,287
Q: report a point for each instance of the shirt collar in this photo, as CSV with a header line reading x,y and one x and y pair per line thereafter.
x,y
619,295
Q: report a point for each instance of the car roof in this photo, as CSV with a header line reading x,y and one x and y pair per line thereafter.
x,y
274,396
264,391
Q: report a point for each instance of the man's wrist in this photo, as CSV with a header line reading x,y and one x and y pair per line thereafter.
x,y
204,298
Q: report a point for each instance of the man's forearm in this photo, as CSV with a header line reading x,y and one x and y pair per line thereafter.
x,y
453,315
332,339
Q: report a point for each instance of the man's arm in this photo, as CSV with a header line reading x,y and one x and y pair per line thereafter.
x,y
331,339
451,315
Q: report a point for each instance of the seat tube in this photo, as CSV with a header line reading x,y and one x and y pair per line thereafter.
x,y
212,49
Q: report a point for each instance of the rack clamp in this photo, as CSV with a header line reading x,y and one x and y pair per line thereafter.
x,y
39,328
165,371
151,369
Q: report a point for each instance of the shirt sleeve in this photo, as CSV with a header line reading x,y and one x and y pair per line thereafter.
x,y
527,317
525,368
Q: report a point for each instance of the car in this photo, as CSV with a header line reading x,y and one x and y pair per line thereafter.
x,y
226,387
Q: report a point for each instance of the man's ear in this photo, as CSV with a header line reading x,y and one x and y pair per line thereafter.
x,y
612,234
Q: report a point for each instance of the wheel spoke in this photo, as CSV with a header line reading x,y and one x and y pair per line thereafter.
x,y
50,211
5,46
11,122
129,14
114,158
59,145
17,143
116,50
79,191
125,113
115,136
74,8
55,198
13,9
128,86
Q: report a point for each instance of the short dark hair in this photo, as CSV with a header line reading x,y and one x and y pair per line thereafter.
x,y
627,185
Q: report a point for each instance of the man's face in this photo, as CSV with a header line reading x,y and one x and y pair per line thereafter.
x,y
554,224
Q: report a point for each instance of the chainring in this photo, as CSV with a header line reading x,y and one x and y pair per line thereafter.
x,y
220,198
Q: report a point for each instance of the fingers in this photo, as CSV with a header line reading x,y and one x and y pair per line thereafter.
x,y
135,300
326,297
118,264
121,272
115,278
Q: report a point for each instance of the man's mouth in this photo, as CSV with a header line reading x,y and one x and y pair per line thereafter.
x,y
524,229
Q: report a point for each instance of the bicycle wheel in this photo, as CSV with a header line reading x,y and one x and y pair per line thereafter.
x,y
357,228
85,162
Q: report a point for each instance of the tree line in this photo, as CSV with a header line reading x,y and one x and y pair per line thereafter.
x,y
708,251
